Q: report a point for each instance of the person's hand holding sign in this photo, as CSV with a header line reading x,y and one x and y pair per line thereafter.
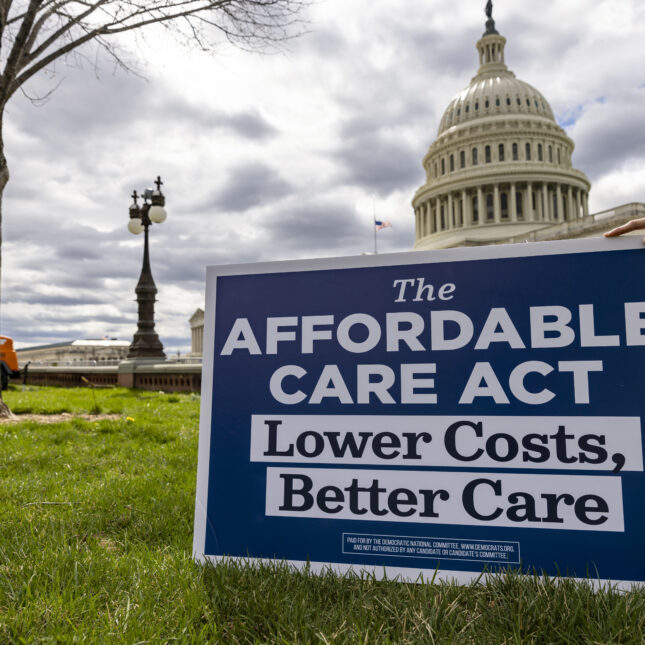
x,y
634,225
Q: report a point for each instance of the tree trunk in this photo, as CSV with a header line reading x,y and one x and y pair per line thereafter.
x,y
5,412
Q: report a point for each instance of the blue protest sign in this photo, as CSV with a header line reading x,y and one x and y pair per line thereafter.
x,y
421,413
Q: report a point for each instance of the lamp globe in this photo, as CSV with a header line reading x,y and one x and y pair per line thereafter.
x,y
134,226
157,214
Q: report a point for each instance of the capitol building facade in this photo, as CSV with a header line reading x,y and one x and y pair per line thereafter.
x,y
500,169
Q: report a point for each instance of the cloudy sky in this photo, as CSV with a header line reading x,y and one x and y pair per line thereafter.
x,y
280,156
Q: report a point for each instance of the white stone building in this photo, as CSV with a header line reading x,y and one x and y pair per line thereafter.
x,y
75,352
500,169
197,333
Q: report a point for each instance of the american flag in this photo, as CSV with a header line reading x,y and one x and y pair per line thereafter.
x,y
381,224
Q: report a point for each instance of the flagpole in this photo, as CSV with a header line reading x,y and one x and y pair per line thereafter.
x,y
374,225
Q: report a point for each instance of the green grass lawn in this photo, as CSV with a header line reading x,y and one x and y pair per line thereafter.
x,y
95,547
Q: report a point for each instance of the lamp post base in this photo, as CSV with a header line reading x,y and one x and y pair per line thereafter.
x,y
147,348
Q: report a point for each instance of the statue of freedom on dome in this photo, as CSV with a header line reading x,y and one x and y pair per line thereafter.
x,y
490,23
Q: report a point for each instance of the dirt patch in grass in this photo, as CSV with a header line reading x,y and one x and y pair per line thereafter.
x,y
59,418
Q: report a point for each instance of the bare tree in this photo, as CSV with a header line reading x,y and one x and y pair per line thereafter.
x,y
36,33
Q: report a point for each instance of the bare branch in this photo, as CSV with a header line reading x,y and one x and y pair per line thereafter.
x,y
74,20
20,79
19,42
71,23
39,101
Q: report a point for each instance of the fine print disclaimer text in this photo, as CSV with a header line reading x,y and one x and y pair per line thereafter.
x,y
430,547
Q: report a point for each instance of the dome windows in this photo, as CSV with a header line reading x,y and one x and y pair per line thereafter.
x,y
460,159
494,92
496,152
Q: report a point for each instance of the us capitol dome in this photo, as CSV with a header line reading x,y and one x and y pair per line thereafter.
x,y
501,167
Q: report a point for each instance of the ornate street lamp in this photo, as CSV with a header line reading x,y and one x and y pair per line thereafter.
x,y
146,343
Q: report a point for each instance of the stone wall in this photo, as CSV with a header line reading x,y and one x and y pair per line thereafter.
x,y
166,377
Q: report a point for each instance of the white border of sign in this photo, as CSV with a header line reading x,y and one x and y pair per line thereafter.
x,y
592,245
